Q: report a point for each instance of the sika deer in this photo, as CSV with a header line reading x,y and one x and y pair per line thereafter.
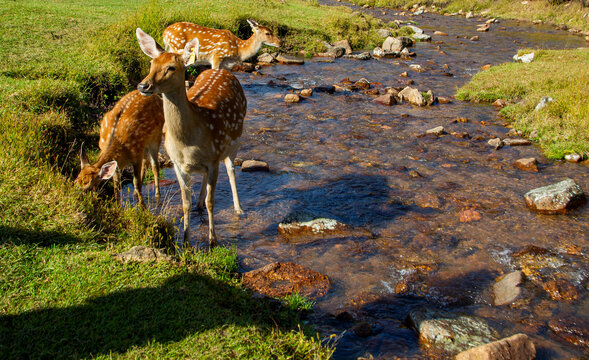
x,y
129,133
203,125
217,46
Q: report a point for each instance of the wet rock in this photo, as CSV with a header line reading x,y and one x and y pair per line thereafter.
x,y
500,103
460,135
526,58
557,198
444,100
412,95
330,89
301,226
415,29
387,99
383,33
414,174
508,289
417,67
572,158
497,143
292,98
372,92
421,37
362,84
404,74
379,52
243,67
345,316
517,142
391,91
484,27
362,329
440,33
289,60
344,44
469,215
307,92
513,132
485,67
281,279
254,166
469,15
437,131
462,120
425,200
448,331
561,290
266,58
361,56
335,51
516,347
572,329
543,102
144,254
474,38
527,164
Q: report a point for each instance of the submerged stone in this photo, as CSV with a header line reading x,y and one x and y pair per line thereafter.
x,y
281,279
556,198
508,289
301,226
448,331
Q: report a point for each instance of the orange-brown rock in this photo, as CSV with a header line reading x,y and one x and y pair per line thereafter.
x,y
281,279
469,215
518,346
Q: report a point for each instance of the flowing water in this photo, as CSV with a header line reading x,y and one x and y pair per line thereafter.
x,y
344,157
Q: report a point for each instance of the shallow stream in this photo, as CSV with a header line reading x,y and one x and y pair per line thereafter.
x,y
344,157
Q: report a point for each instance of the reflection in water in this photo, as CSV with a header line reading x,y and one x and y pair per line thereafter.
x,y
344,157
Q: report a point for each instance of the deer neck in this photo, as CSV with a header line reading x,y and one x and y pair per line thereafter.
x,y
112,152
250,47
179,114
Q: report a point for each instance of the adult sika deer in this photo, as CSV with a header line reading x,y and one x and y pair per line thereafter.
x,y
203,125
129,134
217,46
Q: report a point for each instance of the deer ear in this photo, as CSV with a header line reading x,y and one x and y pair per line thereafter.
x,y
107,170
149,46
190,54
253,23
83,157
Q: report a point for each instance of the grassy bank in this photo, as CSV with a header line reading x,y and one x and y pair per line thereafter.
x,y
563,125
569,13
62,294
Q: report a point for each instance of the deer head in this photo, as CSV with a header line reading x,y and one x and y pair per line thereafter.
x,y
264,34
90,175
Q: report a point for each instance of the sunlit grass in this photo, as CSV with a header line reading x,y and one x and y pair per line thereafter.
x,y
563,125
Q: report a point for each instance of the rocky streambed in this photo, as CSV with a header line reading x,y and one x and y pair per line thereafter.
x,y
411,221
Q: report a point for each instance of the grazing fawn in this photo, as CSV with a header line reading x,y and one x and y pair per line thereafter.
x,y
203,125
217,46
129,133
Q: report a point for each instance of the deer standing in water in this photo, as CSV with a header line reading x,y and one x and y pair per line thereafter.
x,y
129,134
203,124
217,47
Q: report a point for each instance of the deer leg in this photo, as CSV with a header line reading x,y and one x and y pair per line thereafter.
x,y
212,175
138,171
200,205
155,169
184,181
231,175
116,182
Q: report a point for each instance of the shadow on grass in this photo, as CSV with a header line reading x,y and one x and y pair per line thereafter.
x,y
185,304
18,236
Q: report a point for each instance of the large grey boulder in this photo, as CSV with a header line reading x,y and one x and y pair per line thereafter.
x,y
556,198
448,331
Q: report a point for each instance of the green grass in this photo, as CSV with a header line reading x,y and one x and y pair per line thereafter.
x,y
563,125
297,302
62,294
569,13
